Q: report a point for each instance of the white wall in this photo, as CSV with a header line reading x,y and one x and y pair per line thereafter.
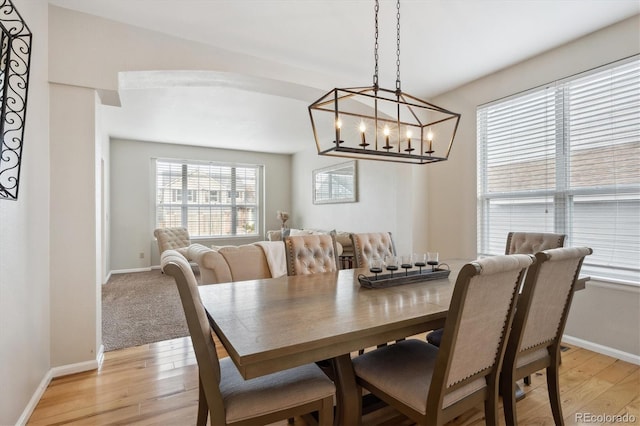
x,y
73,225
89,52
385,192
608,315
24,242
132,195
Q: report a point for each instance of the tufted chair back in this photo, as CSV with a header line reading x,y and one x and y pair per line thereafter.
x,y
173,239
371,245
532,242
310,254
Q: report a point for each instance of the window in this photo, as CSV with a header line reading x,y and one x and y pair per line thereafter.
x,y
199,196
565,158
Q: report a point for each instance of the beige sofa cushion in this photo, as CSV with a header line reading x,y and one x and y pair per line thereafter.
x,y
246,262
213,267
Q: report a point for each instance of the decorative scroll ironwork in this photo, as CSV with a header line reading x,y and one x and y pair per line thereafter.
x,y
15,56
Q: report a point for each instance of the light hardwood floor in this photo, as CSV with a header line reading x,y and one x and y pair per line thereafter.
x,y
157,384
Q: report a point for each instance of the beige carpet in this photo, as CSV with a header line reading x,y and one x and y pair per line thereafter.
x,y
140,308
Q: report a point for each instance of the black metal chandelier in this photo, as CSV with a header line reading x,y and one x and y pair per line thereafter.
x,y
381,124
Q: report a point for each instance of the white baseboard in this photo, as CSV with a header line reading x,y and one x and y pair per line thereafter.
x,y
33,402
100,356
126,271
79,367
53,373
601,349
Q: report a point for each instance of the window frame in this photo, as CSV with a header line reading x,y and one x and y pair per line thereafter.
x,y
192,199
561,195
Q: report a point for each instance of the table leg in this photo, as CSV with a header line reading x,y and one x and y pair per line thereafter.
x,y
519,393
348,399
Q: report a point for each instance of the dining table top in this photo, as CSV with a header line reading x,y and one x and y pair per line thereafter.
x,y
271,324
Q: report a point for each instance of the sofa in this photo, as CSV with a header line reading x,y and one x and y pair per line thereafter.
x,y
259,260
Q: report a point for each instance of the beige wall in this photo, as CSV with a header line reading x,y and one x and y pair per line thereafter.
x,y
603,314
24,243
73,226
99,49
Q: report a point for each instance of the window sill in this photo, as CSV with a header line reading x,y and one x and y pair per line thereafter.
x,y
613,284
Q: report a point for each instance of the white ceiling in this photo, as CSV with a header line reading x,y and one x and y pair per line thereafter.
x,y
444,44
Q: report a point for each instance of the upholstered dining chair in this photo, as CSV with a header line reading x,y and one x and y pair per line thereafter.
x,y
432,386
532,242
310,254
223,394
541,314
368,246
518,243
371,245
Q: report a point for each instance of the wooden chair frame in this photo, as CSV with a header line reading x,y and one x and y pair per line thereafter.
x,y
511,372
210,400
438,390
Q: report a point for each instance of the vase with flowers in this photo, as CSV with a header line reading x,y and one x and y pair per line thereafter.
x,y
282,217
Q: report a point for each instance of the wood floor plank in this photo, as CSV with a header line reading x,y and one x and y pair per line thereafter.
x,y
617,371
631,411
157,384
612,401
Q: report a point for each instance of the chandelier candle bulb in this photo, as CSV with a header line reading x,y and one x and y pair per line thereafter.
x,y
386,138
409,134
430,139
338,126
362,130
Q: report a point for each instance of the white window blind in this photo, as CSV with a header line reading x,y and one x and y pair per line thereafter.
x,y
565,158
209,199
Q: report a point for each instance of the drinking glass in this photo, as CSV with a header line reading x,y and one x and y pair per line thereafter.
x,y
406,263
375,266
391,263
432,259
420,260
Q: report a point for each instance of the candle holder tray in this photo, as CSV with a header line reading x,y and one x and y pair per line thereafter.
x,y
400,277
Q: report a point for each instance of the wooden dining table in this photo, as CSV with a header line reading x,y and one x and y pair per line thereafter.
x,y
273,324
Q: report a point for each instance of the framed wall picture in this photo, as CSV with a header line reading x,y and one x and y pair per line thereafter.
x,y
335,184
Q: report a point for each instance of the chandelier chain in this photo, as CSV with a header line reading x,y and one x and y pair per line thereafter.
x,y
375,47
398,46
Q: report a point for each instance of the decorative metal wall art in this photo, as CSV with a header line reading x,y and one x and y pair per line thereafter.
x,y
15,56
